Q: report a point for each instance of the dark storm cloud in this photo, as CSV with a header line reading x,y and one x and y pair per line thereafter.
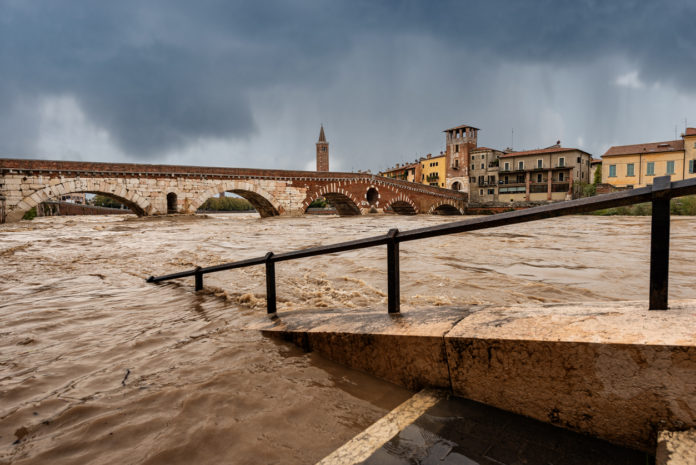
x,y
159,75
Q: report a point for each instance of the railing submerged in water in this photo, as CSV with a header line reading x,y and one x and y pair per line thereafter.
x,y
660,194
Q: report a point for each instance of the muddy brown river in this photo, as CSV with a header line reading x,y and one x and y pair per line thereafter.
x,y
97,366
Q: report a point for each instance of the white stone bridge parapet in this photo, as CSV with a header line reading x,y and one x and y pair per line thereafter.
x,y
162,189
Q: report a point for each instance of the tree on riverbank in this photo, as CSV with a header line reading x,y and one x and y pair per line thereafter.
x,y
681,206
226,204
104,201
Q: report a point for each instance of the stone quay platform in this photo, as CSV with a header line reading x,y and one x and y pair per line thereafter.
x,y
612,370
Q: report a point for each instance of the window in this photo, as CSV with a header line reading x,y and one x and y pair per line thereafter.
x,y
483,166
472,179
521,165
505,180
472,167
456,148
507,166
578,159
692,166
491,191
650,171
612,171
473,157
561,162
539,177
456,162
670,167
540,163
629,170
483,157
480,191
560,176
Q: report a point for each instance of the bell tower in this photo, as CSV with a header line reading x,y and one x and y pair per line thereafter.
x,y
322,151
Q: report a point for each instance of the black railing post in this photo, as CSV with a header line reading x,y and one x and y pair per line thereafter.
x,y
270,283
393,286
659,243
199,279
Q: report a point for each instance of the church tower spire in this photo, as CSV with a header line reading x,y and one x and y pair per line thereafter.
x,y
322,151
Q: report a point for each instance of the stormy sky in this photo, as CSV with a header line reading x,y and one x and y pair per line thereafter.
x,y
248,83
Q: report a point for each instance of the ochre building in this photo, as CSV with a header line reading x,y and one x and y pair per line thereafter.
x,y
630,166
449,169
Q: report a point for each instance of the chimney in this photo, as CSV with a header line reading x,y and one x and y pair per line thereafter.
x,y
429,155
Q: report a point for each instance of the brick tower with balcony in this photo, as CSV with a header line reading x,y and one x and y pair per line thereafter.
x,y
322,152
460,141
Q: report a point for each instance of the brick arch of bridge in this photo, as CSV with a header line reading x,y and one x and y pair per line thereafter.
x,y
263,201
446,207
341,199
402,205
139,205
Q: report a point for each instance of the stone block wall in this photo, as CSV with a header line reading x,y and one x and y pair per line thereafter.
x,y
144,188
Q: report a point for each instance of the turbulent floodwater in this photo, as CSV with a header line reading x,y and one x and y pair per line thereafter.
x,y
98,366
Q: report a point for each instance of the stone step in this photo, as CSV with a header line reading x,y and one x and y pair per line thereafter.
x,y
615,370
433,427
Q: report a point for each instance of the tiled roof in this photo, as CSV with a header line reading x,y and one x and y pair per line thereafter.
x,y
542,151
463,126
402,167
690,132
650,147
483,149
594,161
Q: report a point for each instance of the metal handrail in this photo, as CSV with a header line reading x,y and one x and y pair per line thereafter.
x,y
660,193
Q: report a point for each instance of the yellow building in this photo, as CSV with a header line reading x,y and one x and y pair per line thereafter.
x,y
433,170
407,172
631,166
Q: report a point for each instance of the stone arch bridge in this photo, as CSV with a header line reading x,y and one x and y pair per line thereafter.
x,y
162,189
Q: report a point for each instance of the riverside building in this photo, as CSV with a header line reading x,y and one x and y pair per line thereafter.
x,y
629,166
449,169
494,176
543,175
407,172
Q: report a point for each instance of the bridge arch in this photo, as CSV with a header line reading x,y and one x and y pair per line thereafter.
x,y
263,201
402,205
139,205
343,201
445,207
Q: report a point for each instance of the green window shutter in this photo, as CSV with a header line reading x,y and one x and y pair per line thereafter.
x,y
629,170
651,168
670,167
612,171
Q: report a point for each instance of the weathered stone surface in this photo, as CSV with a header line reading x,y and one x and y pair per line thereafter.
x,y
144,188
613,370
406,349
676,448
